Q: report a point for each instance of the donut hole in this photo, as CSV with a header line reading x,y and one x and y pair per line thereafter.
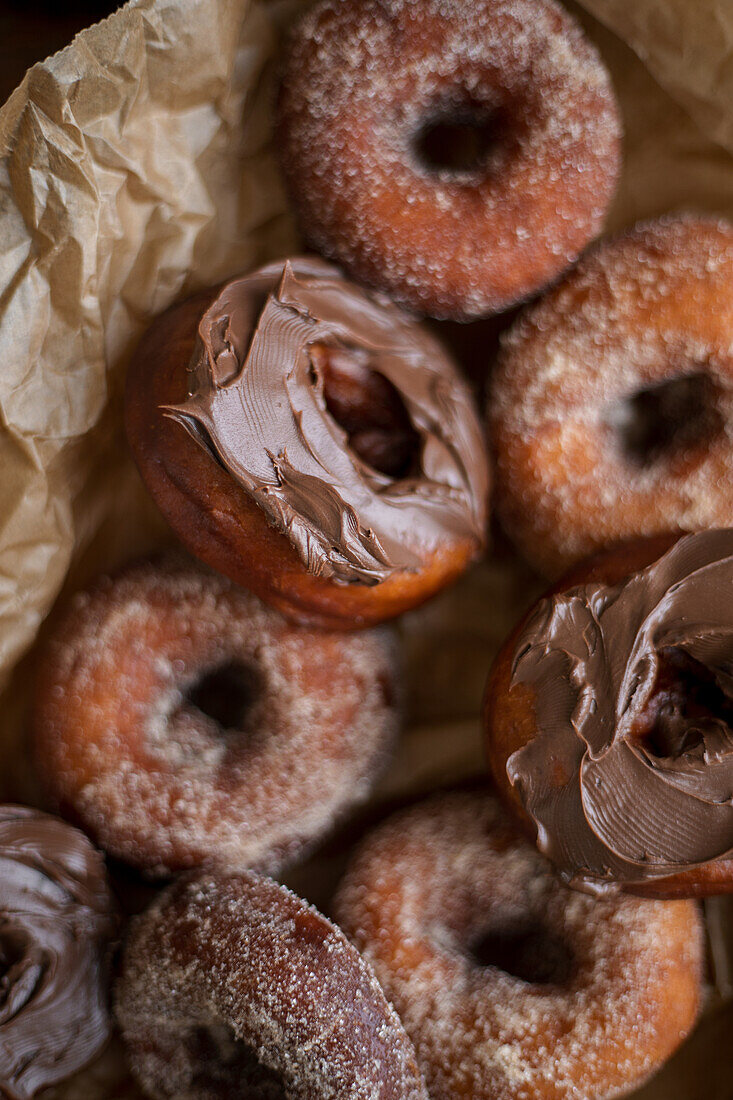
x,y
11,953
685,707
677,415
20,972
226,694
531,953
369,409
225,1066
458,140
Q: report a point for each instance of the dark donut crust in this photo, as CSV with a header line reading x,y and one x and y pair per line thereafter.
x,y
228,973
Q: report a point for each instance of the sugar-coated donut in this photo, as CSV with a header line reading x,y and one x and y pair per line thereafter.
x,y
611,408
457,156
232,986
509,984
609,719
312,442
181,721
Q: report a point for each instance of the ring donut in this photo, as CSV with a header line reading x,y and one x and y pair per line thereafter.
x,y
233,986
611,407
312,442
457,156
181,721
508,983
608,719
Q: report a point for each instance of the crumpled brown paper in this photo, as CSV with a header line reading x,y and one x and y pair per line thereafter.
x,y
136,166
688,46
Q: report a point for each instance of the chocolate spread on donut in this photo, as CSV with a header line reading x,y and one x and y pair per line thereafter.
x,y
55,926
256,403
630,775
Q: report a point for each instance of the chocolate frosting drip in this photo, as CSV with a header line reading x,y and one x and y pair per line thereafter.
x,y
611,803
55,926
256,404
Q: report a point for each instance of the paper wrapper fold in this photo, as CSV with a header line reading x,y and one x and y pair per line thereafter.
x,y
136,166
688,47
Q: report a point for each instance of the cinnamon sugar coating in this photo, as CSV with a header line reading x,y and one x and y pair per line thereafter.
x,y
457,156
611,408
181,721
511,986
233,986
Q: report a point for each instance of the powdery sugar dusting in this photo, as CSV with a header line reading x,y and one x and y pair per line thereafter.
x,y
247,962
161,784
361,79
651,305
434,879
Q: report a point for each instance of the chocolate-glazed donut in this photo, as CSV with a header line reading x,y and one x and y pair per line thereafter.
x,y
56,925
312,442
609,719
233,986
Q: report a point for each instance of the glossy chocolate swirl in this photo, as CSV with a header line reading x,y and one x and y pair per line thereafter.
x,y
56,923
257,405
630,776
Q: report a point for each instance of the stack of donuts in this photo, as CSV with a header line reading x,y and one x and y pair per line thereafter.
x,y
206,718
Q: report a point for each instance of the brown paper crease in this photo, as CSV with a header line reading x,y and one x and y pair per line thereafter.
x,y
688,46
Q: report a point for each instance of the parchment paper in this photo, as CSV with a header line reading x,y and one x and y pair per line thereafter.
x,y
136,166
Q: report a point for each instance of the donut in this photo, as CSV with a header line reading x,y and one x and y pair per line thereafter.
x,y
180,721
57,925
509,984
609,719
457,156
611,407
312,442
233,986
